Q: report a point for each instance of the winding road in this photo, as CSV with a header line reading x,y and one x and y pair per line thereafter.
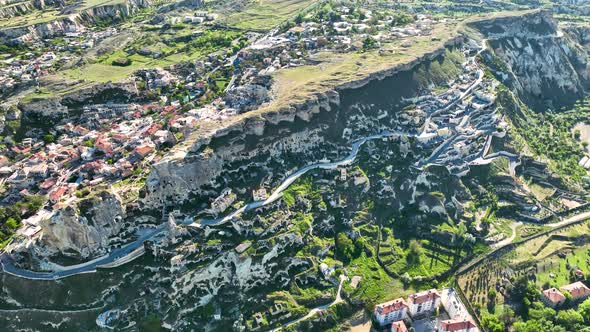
x,y
88,267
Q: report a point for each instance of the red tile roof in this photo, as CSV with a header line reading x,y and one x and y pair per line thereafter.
x,y
423,297
391,306
456,325
143,150
47,184
152,129
399,326
169,108
103,145
554,295
577,289
55,195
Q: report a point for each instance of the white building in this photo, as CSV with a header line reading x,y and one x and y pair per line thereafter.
x,y
224,200
453,305
423,303
392,311
259,194
343,174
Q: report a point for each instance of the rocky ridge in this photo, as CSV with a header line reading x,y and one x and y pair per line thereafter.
x,y
71,22
186,169
535,59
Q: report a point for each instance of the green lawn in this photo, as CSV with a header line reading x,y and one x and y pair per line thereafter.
x,y
376,285
559,267
99,72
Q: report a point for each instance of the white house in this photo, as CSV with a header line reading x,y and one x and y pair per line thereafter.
x,y
423,302
392,311
453,305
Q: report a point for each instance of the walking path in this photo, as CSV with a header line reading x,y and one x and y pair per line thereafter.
x,y
314,311
507,240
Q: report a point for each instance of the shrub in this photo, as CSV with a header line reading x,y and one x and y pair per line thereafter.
x,y
121,62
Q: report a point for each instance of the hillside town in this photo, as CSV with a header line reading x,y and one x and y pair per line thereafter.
x,y
296,165
45,57
108,143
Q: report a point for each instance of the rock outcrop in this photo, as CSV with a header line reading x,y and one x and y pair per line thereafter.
x,y
187,169
531,56
70,22
84,230
43,111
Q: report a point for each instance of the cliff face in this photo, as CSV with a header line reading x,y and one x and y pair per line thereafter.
x,y
17,9
184,173
84,230
581,34
546,67
12,8
48,111
74,22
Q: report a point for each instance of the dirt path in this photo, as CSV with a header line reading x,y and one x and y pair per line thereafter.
x,y
314,311
507,240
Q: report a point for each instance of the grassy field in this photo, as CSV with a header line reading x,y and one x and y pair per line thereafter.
x,y
104,71
335,69
433,258
266,14
376,286
559,267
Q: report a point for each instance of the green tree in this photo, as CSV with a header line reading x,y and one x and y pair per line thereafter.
x,y
151,323
369,43
299,18
524,293
570,319
345,249
12,223
492,300
49,138
528,326
542,313
584,310
492,323
414,252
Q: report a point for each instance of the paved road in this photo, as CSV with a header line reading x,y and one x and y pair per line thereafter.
x,y
277,193
120,253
